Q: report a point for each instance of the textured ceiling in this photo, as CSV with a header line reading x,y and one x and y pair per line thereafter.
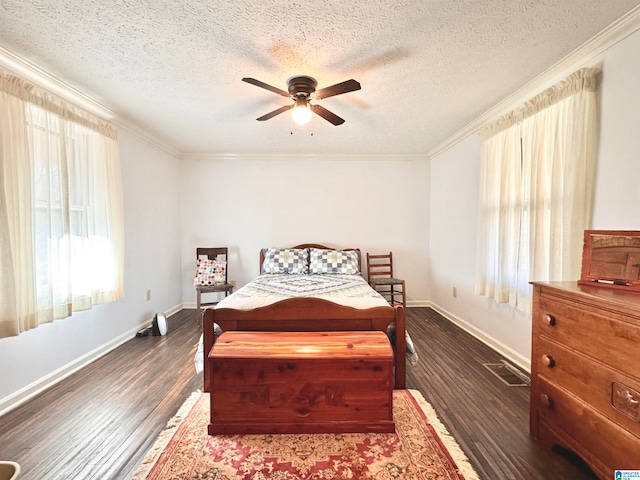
x,y
174,67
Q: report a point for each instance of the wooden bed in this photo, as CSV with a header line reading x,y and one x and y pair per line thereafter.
x,y
308,314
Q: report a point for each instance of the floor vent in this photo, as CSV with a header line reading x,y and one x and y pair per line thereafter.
x,y
509,374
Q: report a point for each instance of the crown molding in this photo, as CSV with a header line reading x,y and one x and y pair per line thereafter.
x,y
38,76
301,156
580,57
34,74
145,136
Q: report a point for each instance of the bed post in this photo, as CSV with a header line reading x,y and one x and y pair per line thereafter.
x,y
401,348
208,334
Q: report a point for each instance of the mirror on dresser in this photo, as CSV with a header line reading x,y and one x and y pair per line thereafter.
x,y
611,258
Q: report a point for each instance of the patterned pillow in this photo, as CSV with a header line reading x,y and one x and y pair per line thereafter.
x,y
210,272
333,261
286,260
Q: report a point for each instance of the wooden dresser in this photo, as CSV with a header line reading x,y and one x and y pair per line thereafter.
x,y
585,373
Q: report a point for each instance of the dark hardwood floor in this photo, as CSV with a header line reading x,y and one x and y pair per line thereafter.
x,y
99,422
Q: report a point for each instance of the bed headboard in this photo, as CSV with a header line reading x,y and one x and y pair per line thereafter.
x,y
323,247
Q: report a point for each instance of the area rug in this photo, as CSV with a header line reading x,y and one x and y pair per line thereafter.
x,y
421,449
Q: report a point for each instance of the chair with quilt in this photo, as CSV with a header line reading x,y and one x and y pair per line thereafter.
x,y
211,275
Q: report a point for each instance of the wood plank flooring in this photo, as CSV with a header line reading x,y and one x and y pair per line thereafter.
x,y
99,422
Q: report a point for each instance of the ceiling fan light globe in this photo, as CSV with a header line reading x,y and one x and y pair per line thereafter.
x,y
301,114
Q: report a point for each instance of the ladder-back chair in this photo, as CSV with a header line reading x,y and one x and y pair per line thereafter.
x,y
380,277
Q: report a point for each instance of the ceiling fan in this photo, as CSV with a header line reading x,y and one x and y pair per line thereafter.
x,y
302,89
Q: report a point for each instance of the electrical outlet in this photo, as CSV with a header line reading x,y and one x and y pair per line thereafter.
x,y
233,284
148,295
455,292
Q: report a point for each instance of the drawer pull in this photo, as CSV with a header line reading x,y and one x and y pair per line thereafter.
x,y
626,400
548,361
549,320
545,400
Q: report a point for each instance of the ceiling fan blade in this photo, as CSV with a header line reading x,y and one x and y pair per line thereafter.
x,y
266,86
275,112
327,115
338,89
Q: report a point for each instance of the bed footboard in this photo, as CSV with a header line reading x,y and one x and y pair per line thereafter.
x,y
308,315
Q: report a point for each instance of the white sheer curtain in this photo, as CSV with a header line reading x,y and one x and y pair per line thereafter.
x,y
17,263
536,191
61,202
500,187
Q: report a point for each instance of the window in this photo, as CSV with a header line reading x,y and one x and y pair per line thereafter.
x,y
536,191
63,209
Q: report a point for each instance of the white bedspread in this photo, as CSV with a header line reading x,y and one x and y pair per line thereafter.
x,y
349,290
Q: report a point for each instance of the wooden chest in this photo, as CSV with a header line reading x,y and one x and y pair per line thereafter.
x,y
585,373
301,382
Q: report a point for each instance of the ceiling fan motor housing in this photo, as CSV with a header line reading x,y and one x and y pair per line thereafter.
x,y
302,86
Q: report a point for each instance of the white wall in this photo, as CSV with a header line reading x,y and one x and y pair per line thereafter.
x,y
454,192
377,205
617,202
34,359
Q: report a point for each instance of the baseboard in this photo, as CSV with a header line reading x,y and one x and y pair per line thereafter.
x,y
173,310
501,348
18,398
418,303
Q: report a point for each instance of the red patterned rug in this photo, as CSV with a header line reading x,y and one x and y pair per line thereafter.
x,y
421,449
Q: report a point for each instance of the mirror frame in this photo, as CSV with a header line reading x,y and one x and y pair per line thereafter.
x,y
599,281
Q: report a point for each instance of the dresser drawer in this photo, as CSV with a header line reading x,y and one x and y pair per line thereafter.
x,y
616,447
597,333
609,392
